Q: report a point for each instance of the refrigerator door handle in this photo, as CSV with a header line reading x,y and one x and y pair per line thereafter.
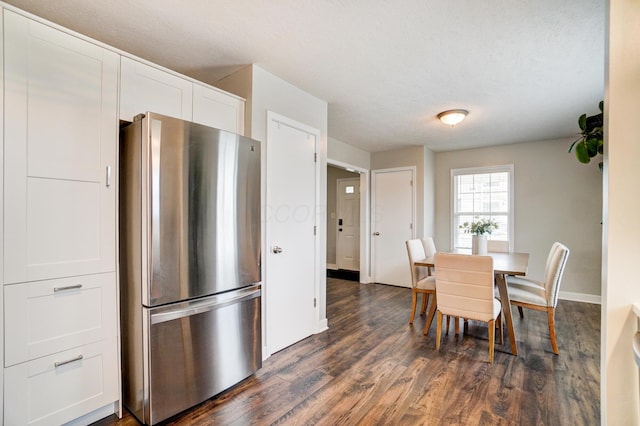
x,y
206,305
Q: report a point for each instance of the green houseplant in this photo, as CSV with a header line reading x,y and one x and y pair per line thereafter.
x,y
590,143
479,226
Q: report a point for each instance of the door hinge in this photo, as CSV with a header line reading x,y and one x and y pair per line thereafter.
x,y
315,157
411,182
411,226
315,228
314,302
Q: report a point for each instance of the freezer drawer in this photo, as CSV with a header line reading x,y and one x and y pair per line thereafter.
x,y
198,349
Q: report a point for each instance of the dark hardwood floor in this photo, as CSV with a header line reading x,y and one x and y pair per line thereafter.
x,y
371,367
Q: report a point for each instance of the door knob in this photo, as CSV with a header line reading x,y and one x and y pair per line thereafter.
x,y
376,233
276,249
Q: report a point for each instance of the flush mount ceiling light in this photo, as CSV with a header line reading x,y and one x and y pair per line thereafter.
x,y
453,116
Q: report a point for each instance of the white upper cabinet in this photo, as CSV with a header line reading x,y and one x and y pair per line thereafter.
x,y
61,130
145,88
218,109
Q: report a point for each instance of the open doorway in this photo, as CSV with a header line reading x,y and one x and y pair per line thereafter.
x,y
343,223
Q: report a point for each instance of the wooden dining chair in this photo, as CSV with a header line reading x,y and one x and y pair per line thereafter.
x,y
421,282
496,246
464,288
541,295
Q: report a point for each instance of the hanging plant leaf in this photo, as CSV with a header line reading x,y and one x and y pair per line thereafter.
x,y
582,122
590,143
592,147
582,152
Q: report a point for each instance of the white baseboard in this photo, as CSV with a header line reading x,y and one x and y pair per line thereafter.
x,y
332,266
580,297
322,326
94,416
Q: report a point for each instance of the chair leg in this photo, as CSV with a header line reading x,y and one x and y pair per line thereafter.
x,y
438,330
456,325
425,299
551,313
520,311
446,330
414,301
500,329
492,339
432,312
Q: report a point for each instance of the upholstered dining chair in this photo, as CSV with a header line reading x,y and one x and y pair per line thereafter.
x,y
421,282
429,250
464,288
542,295
496,246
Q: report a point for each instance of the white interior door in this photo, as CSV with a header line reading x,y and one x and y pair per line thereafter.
x,y
348,237
290,215
392,224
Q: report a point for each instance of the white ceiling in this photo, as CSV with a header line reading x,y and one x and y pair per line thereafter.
x,y
524,69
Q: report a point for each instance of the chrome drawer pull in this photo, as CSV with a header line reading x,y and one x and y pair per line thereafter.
x,y
69,361
69,287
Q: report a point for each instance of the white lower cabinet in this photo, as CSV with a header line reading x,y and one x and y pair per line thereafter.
x,y
61,387
46,317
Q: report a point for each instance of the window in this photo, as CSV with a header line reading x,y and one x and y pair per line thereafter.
x,y
484,192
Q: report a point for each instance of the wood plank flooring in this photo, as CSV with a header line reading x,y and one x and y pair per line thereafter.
x,y
371,367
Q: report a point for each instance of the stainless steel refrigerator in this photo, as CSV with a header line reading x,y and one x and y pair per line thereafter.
x,y
189,263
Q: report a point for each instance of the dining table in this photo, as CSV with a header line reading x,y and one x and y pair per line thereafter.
x,y
503,264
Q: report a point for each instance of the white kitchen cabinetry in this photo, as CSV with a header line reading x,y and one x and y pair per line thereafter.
x,y
60,153
53,315
59,172
58,388
145,88
218,109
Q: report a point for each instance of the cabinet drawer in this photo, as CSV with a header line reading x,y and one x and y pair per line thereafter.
x,y
85,379
45,317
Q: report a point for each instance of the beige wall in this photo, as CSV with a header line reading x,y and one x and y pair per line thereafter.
x,y
556,199
621,251
429,202
333,174
267,92
404,157
347,154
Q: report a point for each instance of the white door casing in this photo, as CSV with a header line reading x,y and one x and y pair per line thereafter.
x,y
392,220
291,224
348,224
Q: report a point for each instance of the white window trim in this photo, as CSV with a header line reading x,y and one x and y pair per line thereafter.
x,y
484,169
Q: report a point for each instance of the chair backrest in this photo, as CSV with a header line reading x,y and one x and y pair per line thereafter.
x,y
429,246
415,250
464,285
496,246
554,270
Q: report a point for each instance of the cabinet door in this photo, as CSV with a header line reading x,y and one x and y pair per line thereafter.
x,y
58,388
60,153
217,109
144,88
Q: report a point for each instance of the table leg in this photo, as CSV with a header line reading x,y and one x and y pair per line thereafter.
x,y
501,282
